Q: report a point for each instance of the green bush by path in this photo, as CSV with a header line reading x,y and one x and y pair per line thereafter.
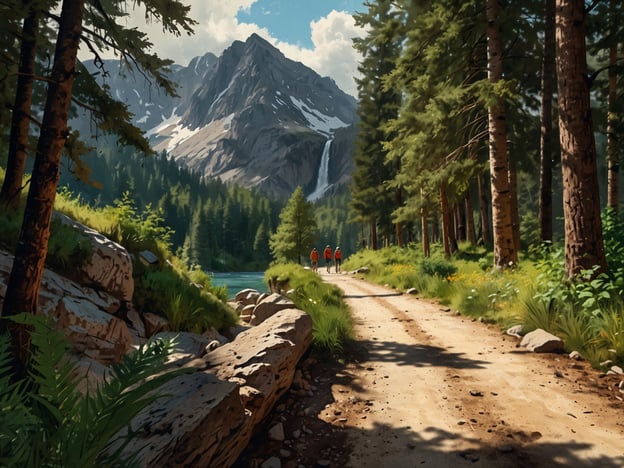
x,y
332,325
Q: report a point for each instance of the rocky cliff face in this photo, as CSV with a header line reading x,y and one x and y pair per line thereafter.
x,y
250,117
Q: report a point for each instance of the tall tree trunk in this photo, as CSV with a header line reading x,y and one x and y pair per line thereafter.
x,y
546,133
425,233
10,194
446,221
398,227
515,215
448,228
460,222
505,253
32,246
470,225
435,230
613,165
373,233
581,203
483,209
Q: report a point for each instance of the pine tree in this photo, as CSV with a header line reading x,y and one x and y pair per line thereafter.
x,y
584,248
505,245
296,232
372,200
23,286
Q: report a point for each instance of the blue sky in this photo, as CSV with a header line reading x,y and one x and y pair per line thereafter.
x,y
317,33
289,21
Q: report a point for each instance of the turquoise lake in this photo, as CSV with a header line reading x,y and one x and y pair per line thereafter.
x,y
240,280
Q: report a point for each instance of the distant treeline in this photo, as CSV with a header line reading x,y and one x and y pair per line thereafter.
x,y
216,226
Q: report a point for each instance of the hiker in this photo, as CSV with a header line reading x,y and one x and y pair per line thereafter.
x,y
314,257
327,255
337,259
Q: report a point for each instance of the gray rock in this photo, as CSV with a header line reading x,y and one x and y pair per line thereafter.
x,y
276,432
110,265
272,462
540,341
269,306
211,414
516,330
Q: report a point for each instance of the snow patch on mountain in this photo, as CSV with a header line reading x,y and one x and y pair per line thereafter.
x,y
319,122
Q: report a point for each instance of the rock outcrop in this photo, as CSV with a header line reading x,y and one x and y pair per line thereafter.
x,y
208,417
110,265
212,414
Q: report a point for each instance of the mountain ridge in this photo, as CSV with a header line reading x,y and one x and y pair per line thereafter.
x,y
251,117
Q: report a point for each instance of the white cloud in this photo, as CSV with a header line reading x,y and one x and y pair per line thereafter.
x,y
332,53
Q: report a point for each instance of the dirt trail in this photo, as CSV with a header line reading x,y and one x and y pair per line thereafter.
x,y
434,389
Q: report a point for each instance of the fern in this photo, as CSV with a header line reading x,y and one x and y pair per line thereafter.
x,y
45,421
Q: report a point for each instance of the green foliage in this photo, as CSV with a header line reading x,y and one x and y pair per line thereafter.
x,y
575,329
332,325
535,313
46,422
189,306
437,267
215,226
297,230
138,231
610,332
68,248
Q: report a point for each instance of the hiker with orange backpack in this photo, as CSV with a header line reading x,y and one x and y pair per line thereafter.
x,y
314,258
327,255
337,259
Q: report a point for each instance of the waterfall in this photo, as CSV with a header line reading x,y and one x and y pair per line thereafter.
x,y
322,181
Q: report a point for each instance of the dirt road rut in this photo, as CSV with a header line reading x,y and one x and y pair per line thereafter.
x,y
431,388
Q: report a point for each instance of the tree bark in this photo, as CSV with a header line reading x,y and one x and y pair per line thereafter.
x,y
10,195
546,133
505,253
613,165
584,247
470,225
373,233
426,244
515,214
448,235
25,278
398,227
483,209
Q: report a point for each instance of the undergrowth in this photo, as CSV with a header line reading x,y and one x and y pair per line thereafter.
x,y
586,312
331,321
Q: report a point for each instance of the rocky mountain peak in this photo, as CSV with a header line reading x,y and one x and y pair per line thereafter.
x,y
252,117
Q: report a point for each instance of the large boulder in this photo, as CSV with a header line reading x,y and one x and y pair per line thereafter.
x,y
210,416
110,265
93,332
269,306
86,316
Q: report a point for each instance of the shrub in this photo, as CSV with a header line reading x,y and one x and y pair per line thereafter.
x,y
68,248
437,267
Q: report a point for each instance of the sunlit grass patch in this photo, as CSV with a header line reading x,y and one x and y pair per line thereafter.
x,y
332,325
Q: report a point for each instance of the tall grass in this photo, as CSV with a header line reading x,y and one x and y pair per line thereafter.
x,y
331,321
586,312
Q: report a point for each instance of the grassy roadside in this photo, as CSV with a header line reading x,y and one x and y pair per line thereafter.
x,y
587,314
332,326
